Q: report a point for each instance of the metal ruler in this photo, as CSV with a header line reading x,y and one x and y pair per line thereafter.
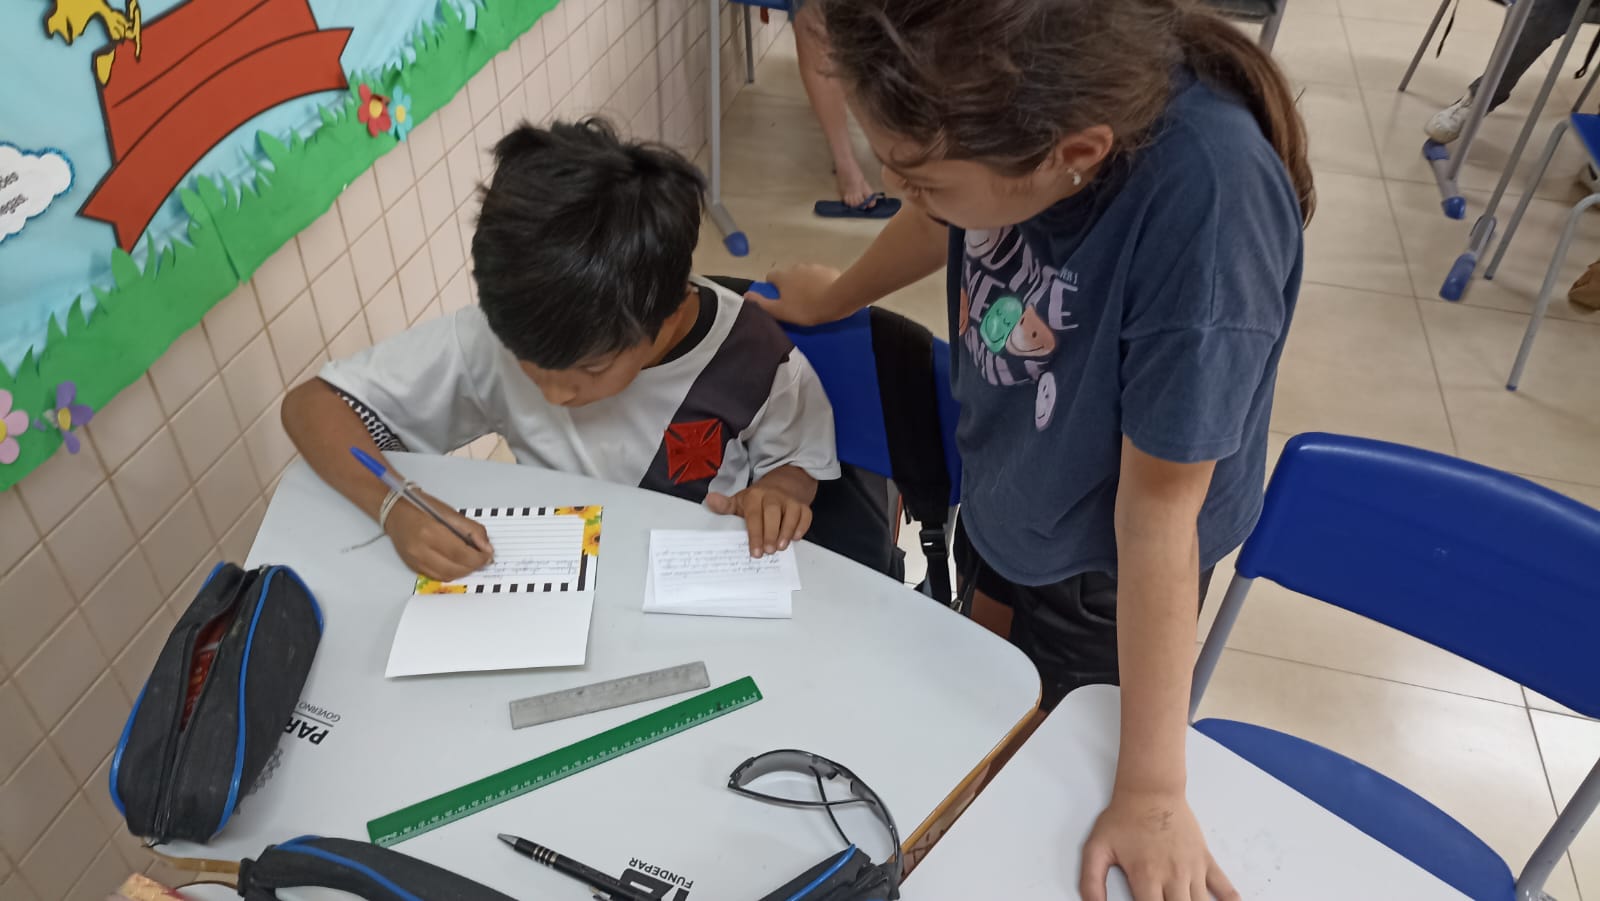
x,y
441,810
559,705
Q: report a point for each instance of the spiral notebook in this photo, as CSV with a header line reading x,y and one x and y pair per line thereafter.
x,y
529,608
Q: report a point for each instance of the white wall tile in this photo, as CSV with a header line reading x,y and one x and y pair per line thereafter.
x,y
228,489
88,732
21,734
34,599
65,851
393,171
279,281
122,603
233,322
252,379
536,96
321,243
179,372
437,200
404,220
445,250
360,205
336,297
372,260
151,482
508,71
133,665
296,337
426,143
464,173
17,534
66,664
178,543
31,799
483,93
386,312
353,339
268,444
236,544
205,427
125,423
417,287
90,541
455,120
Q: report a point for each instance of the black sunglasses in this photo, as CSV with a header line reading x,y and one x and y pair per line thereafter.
x,y
822,770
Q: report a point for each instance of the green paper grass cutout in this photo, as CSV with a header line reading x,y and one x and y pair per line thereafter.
x,y
233,228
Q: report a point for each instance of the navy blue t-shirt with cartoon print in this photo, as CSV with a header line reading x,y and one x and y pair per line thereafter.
x,y
1153,304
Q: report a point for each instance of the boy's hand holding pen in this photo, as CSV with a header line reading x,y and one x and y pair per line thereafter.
x,y
430,536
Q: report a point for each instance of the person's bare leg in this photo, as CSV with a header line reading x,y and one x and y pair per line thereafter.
x,y
827,101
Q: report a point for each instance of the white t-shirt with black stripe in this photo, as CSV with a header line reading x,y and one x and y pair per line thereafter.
x,y
740,403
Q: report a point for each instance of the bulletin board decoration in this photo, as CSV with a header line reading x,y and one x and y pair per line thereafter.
x,y
233,226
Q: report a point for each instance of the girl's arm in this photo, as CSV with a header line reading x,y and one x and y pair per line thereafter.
x,y
911,247
1148,829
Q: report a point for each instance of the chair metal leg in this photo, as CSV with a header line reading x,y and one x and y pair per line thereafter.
x,y
1546,857
749,48
1548,288
1527,196
1211,652
1510,32
1422,48
732,237
1269,28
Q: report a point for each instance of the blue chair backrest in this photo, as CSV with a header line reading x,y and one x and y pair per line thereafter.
x,y
1482,563
843,357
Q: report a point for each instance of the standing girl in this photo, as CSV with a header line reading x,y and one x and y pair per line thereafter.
x,y
1117,189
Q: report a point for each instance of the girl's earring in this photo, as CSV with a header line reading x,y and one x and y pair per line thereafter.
x,y
1077,179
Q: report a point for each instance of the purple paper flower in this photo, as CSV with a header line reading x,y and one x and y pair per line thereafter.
x,y
67,415
12,424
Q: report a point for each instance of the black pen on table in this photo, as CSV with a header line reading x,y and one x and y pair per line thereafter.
x,y
568,867
398,485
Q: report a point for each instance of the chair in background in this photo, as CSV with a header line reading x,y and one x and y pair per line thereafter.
x,y
1587,127
1269,13
1487,565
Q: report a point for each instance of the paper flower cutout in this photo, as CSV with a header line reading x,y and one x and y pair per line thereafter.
x,y
400,112
12,423
591,526
374,111
67,415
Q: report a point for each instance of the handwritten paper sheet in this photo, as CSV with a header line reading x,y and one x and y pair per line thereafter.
x,y
713,574
529,608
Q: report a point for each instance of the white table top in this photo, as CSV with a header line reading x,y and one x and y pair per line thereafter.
x,y
909,695
1022,837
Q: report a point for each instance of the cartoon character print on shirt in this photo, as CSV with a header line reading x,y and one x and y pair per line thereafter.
x,y
1013,315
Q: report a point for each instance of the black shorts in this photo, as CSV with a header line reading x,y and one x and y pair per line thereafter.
x,y
1067,628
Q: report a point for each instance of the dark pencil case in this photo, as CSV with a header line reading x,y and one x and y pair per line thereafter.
x,y
366,871
215,704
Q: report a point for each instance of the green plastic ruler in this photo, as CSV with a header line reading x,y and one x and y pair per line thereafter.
x,y
441,810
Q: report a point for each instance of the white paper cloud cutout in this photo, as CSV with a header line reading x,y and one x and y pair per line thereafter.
x,y
28,184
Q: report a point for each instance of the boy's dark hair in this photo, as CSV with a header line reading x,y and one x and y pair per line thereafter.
x,y
584,241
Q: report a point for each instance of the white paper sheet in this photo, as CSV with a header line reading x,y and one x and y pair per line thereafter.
x,y
712,574
529,608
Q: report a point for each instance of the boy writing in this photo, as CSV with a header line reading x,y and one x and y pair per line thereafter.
x,y
592,351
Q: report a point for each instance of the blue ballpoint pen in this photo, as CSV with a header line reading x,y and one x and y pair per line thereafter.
x,y
398,484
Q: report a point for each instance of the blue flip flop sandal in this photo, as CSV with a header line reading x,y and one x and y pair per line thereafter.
x,y
878,206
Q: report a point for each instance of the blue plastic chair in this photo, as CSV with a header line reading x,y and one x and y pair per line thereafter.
x,y
1587,127
1487,565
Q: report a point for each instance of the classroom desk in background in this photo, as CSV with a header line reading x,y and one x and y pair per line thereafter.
x,y
1021,837
909,695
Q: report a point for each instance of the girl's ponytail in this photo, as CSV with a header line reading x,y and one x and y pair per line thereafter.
x,y
1222,55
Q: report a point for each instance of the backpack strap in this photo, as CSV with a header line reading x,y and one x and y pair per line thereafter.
x,y
906,378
